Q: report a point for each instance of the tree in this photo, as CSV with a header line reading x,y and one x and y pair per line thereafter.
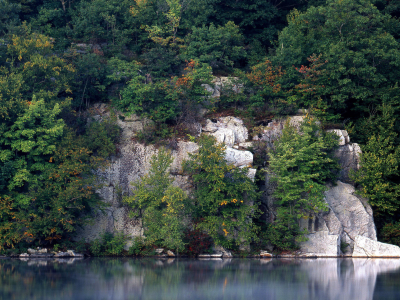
x,y
259,20
300,164
161,206
105,23
30,55
45,178
9,15
161,100
362,57
224,197
218,46
265,79
379,173
167,35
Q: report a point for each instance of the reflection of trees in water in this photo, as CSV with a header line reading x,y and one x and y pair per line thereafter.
x,y
108,278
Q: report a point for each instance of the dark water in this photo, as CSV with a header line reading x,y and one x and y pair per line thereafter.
x,y
201,279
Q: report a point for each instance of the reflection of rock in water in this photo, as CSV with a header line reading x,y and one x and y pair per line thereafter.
x,y
148,279
346,278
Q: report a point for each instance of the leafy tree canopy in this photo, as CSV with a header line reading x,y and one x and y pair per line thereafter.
x,y
361,57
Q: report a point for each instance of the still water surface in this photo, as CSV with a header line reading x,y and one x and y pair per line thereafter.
x,y
247,279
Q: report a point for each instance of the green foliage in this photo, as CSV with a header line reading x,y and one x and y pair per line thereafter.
x,y
391,233
104,22
219,47
9,15
379,166
90,80
224,196
167,35
29,142
49,188
259,20
361,56
143,97
161,101
300,165
161,206
101,137
138,246
265,82
189,88
109,244
30,55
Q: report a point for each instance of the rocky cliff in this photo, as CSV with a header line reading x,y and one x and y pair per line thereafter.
x,y
332,233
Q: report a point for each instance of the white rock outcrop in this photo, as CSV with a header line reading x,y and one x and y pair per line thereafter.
x,y
343,136
238,158
349,160
365,247
321,244
228,130
224,136
349,215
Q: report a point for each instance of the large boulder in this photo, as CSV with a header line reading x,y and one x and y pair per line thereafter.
x,y
321,244
349,215
365,247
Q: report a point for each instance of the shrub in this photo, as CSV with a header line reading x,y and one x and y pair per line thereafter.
x,y
391,233
109,244
197,242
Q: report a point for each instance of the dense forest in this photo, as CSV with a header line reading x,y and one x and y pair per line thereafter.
x,y
339,59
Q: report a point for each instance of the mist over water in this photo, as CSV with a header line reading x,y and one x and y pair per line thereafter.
x,y
127,278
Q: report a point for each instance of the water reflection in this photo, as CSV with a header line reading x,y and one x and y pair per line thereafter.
x,y
359,279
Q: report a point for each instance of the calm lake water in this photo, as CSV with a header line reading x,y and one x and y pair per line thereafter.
x,y
285,279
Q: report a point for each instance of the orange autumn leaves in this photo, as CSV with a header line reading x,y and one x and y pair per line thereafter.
x,y
265,74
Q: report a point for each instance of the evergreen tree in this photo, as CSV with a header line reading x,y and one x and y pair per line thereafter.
x,y
300,164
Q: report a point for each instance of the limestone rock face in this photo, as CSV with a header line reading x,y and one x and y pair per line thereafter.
x,y
228,130
365,247
349,215
210,126
322,244
133,162
238,158
343,136
269,133
348,155
225,135
349,159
